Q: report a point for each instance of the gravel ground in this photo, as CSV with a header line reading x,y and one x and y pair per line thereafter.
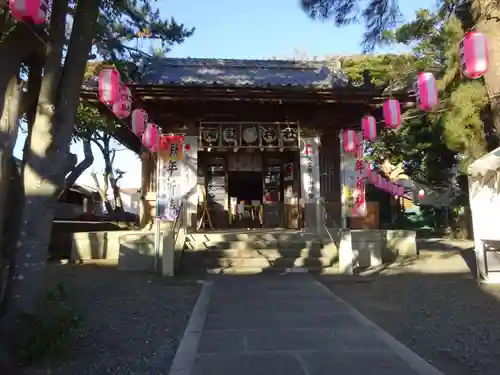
x,y
435,307
132,321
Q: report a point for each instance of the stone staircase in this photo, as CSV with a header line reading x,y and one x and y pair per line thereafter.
x,y
260,251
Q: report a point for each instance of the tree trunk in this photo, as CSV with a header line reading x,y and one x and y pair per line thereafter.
x,y
8,135
103,141
88,160
34,85
15,192
116,195
103,192
114,183
487,16
19,45
51,136
37,212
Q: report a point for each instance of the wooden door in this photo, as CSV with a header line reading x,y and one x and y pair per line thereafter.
x,y
291,193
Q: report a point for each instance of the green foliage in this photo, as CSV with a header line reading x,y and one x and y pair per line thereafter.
x,y
464,130
52,330
377,15
89,120
390,69
120,23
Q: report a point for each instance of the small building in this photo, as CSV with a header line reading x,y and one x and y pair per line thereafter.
x,y
76,203
261,137
131,199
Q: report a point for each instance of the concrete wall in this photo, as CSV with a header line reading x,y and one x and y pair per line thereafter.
x,y
98,245
399,244
137,252
132,250
372,248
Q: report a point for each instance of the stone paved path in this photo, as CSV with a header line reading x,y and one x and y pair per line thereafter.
x,y
288,325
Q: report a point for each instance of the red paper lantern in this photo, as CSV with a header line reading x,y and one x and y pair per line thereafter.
x,y
421,194
150,137
124,93
34,10
139,120
123,106
122,109
392,113
474,56
426,89
369,126
350,141
109,86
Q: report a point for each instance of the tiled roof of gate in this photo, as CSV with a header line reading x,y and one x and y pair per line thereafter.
x,y
243,73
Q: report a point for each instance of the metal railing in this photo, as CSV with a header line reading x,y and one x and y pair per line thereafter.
x,y
179,230
328,220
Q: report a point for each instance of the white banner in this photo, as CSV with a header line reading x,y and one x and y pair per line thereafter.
x,y
172,183
353,181
309,169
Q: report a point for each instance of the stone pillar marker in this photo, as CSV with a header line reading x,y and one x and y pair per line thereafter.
x,y
309,180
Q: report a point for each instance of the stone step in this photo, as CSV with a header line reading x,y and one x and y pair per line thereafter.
x,y
214,245
277,270
260,262
271,253
255,236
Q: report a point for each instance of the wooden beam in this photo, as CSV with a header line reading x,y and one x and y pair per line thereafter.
x,y
326,111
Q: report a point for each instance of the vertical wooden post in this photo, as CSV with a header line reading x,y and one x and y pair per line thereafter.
x,y
146,171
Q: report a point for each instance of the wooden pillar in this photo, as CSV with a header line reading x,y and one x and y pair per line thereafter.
x,y
329,168
148,190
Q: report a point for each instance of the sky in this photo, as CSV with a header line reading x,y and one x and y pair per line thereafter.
x,y
256,29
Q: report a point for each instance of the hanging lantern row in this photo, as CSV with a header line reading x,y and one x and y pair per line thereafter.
x,y
474,61
29,10
380,182
114,93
